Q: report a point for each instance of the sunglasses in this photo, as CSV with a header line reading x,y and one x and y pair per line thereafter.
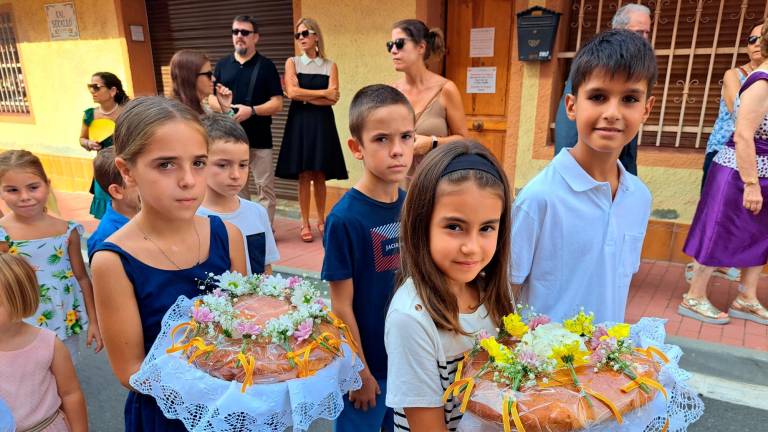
x,y
208,74
399,43
753,39
303,34
243,32
95,87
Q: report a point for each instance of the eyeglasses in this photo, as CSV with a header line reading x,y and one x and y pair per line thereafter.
x,y
242,32
753,39
95,87
208,74
303,34
399,43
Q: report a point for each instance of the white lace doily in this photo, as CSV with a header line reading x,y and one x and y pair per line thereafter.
x,y
208,404
682,408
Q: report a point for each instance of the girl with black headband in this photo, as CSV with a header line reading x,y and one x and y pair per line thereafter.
x,y
455,232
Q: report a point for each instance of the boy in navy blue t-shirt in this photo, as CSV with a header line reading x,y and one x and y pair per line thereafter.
x,y
361,242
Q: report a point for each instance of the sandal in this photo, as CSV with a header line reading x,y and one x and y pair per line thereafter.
x,y
306,234
751,311
321,228
731,274
701,310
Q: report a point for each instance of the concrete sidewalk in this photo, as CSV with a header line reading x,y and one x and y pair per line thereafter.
x,y
656,289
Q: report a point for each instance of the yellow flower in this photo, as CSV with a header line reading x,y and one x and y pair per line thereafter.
x,y
499,352
59,252
69,273
619,331
13,250
41,320
515,326
569,354
581,324
71,318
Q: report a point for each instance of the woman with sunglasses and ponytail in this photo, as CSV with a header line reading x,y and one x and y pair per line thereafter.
x,y
436,100
192,82
723,129
99,123
311,150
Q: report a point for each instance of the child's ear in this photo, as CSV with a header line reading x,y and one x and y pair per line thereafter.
x,y
125,171
648,107
356,148
115,191
570,103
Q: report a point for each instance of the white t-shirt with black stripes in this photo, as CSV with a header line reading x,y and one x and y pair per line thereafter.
x,y
422,360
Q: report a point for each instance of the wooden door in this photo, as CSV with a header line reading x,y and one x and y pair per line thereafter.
x,y
486,112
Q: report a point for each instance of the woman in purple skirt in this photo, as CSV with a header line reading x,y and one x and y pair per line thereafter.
x,y
730,228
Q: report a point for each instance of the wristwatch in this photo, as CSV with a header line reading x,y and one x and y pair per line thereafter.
x,y
253,110
434,142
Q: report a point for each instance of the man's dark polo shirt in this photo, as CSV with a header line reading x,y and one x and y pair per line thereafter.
x,y
237,77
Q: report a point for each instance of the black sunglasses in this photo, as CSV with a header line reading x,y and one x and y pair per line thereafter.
x,y
242,32
303,34
753,39
95,87
399,43
208,74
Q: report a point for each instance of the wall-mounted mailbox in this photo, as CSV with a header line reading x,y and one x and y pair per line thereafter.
x,y
536,30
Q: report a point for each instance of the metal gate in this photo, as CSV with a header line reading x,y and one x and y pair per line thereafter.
x,y
204,25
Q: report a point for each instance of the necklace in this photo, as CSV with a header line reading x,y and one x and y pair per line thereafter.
x,y
147,237
110,112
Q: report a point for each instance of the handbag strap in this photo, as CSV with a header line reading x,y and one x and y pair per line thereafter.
x,y
254,76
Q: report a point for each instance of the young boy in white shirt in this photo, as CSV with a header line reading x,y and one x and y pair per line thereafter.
x,y
578,226
227,174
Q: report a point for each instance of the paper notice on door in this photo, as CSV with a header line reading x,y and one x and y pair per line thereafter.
x,y
481,80
481,42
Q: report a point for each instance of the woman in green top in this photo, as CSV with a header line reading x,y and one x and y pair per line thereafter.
x,y
107,91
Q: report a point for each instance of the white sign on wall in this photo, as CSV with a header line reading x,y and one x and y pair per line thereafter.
x,y
481,80
481,42
62,21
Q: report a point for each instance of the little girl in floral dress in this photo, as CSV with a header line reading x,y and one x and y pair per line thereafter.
x,y
52,247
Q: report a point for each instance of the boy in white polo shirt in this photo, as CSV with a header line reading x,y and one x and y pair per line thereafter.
x,y
226,175
578,226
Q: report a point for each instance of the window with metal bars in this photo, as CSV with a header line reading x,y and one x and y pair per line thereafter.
x,y
695,42
13,92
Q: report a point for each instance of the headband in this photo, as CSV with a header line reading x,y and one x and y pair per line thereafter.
x,y
471,161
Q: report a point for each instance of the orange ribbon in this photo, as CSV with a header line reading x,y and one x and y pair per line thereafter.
x,y
198,343
509,408
249,363
455,388
561,375
343,327
650,351
647,381
325,341
190,325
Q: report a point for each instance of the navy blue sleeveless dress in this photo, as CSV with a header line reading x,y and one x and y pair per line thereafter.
x,y
156,291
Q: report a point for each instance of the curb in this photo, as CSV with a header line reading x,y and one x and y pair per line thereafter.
x,y
724,361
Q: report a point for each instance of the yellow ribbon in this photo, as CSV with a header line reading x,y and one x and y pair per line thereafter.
x,y
602,398
557,379
666,425
198,343
249,363
343,327
508,409
644,380
650,351
459,370
190,325
470,382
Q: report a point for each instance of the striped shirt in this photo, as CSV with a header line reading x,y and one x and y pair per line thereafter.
x,y
422,359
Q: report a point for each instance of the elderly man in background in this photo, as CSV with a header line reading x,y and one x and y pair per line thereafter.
x,y
633,17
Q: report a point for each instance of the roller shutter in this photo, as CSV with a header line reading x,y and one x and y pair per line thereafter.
x,y
205,25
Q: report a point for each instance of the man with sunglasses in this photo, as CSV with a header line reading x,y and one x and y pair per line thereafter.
x,y
257,95
635,18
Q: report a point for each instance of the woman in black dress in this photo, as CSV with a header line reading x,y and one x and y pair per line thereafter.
x,y
311,150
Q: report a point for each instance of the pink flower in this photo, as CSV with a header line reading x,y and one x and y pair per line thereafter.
x,y
217,292
527,357
482,334
202,315
304,330
537,321
320,302
248,328
293,281
599,332
598,356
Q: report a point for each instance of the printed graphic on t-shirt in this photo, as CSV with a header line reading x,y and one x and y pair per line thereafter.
x,y
386,247
257,250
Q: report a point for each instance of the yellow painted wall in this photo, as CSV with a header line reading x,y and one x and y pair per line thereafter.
x,y
355,32
56,73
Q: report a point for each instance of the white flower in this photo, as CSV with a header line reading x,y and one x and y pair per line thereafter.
x,y
547,336
233,282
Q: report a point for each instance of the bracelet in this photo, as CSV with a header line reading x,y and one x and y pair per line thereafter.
x,y
750,182
231,112
253,110
434,142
